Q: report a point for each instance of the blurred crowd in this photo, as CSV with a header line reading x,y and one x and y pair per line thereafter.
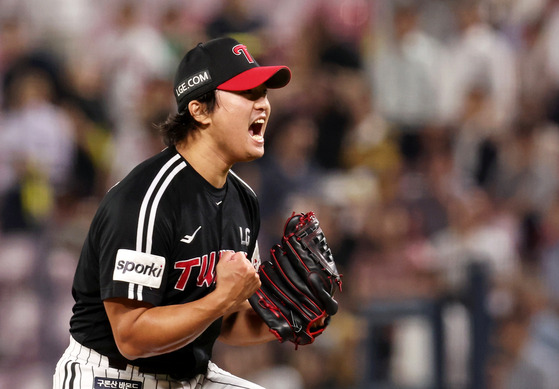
x,y
424,134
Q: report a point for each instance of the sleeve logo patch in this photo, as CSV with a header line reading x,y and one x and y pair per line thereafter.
x,y
139,268
113,383
255,260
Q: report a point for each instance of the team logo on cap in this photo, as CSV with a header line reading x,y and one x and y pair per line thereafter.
x,y
242,49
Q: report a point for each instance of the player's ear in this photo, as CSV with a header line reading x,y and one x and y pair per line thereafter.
x,y
199,112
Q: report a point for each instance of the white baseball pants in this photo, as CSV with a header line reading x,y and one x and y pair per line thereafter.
x,y
83,368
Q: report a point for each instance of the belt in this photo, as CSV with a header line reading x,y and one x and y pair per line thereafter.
x,y
81,352
119,364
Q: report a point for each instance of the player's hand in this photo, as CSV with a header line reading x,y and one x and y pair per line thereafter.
x,y
236,278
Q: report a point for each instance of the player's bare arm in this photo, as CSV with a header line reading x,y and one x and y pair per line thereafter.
x,y
244,327
141,330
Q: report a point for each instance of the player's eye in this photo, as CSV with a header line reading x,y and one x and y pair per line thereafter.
x,y
255,93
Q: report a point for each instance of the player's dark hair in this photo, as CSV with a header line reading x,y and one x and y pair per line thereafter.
x,y
177,126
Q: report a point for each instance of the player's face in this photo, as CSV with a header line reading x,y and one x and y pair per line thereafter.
x,y
239,123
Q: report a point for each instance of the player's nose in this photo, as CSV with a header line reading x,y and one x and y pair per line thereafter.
x,y
262,103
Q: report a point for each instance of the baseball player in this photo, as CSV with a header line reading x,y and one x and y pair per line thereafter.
x,y
171,255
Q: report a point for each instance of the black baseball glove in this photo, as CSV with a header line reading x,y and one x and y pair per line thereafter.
x,y
296,299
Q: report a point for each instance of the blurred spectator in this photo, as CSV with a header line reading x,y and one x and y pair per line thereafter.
x,y
86,106
536,365
138,138
479,56
346,200
178,32
37,149
475,139
549,245
551,40
405,69
392,259
331,116
527,182
87,89
135,55
133,52
328,61
21,54
535,77
477,233
370,143
235,18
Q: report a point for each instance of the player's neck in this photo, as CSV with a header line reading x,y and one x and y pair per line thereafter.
x,y
212,169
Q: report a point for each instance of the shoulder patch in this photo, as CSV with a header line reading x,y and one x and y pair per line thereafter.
x,y
139,268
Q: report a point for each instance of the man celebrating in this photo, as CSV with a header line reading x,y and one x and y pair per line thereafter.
x,y
171,255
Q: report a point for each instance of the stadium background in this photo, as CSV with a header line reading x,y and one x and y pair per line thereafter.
x,y
423,133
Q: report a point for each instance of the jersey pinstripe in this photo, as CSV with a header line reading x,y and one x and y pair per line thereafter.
x,y
83,368
157,237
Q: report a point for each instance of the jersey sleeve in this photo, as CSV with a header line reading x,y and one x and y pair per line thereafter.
x,y
133,237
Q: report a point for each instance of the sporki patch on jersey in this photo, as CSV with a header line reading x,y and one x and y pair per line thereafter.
x,y
139,268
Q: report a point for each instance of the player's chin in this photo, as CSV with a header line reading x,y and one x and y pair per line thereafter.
x,y
253,156
255,152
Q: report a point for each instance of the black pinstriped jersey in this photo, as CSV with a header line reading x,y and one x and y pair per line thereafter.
x,y
156,237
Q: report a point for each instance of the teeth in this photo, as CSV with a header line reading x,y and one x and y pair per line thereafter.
x,y
259,124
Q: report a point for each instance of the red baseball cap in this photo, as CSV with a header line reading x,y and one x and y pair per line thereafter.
x,y
224,64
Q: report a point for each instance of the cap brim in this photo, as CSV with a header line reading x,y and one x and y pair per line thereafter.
x,y
272,76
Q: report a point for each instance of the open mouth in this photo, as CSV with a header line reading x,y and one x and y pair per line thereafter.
x,y
255,129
